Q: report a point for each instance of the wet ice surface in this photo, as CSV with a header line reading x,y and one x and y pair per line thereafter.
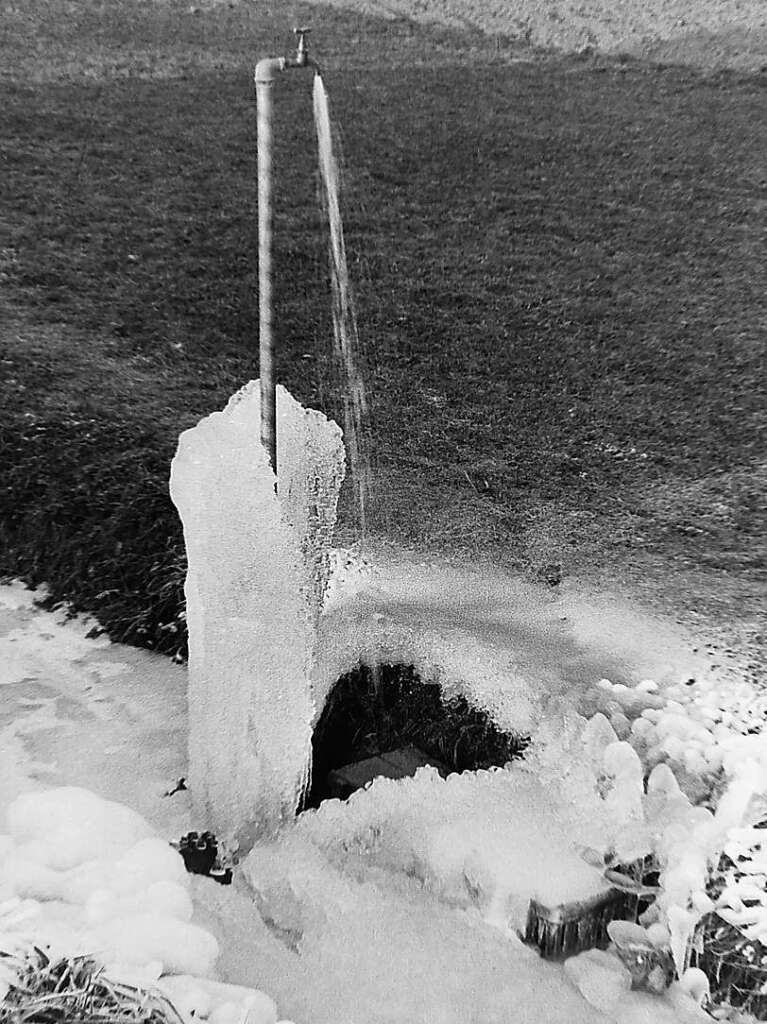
x,y
401,952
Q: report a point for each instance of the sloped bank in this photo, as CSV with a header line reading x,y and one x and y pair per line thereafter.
x,y
705,33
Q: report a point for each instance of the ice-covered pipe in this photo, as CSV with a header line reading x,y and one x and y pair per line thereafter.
x,y
265,74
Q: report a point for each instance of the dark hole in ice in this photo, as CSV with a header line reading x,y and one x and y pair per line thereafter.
x,y
373,711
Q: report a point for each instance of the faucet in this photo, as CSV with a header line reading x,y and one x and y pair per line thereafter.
x,y
301,59
267,69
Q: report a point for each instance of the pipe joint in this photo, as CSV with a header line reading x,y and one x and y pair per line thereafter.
x,y
268,69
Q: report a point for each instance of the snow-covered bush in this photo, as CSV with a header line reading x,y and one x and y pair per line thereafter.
x,y
682,775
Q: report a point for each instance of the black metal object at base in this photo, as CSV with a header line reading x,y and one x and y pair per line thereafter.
x,y
200,855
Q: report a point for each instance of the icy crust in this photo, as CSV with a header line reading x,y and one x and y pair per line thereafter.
x,y
257,568
491,840
377,614
76,707
61,642
380,948
697,727
549,828
311,469
17,595
650,814
642,766
407,875
83,876
743,901
505,645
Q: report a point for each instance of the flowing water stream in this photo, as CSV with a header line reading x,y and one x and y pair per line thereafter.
x,y
345,335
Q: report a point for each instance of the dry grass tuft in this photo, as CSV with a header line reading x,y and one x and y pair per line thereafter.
x,y
75,989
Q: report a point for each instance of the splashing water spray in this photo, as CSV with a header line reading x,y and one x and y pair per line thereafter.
x,y
258,531
345,335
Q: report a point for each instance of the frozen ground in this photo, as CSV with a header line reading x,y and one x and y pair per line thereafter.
x,y
357,912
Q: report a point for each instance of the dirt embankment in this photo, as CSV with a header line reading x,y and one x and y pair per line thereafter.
x,y
705,33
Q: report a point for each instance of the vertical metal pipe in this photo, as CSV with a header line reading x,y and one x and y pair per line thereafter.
x,y
264,86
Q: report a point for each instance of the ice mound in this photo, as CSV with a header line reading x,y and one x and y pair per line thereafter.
x,y
390,926
257,571
61,828
83,875
685,838
600,978
405,615
699,728
488,840
376,947
200,999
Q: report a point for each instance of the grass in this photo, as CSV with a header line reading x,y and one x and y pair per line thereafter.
x,y
735,965
558,265
75,990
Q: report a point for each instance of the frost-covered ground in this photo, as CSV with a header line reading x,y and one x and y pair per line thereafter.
x,y
403,903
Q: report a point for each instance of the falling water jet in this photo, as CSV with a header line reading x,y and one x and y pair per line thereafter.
x,y
345,335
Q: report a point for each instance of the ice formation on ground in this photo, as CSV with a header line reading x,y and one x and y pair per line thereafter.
x,y
349,909
686,839
600,978
82,876
88,876
60,680
257,570
353,885
701,743
490,840
505,645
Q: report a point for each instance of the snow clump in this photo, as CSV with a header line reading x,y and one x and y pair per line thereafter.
x,y
84,876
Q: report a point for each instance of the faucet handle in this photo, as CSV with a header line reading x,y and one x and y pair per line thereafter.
x,y
302,50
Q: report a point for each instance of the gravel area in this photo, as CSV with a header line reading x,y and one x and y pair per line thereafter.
x,y
706,33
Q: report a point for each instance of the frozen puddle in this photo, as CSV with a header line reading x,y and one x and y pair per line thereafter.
x,y
399,905
81,711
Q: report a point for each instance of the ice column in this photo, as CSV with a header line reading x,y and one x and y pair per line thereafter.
x,y
257,570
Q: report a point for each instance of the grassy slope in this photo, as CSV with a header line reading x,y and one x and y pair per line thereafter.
x,y
562,295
